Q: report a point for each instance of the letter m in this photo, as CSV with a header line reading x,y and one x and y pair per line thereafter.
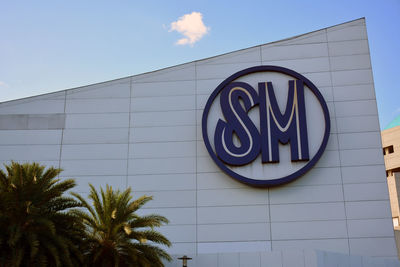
x,y
291,126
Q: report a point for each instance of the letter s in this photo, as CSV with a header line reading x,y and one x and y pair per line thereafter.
x,y
238,125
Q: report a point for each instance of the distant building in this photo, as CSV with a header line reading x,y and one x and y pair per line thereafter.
x,y
391,152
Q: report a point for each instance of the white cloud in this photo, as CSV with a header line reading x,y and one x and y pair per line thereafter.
x,y
191,26
3,84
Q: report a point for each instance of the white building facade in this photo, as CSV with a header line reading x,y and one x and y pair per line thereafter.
x,y
145,131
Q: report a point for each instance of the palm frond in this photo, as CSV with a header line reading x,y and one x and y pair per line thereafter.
x,y
37,229
116,231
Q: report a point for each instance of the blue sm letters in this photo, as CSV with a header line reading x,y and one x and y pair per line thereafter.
x,y
289,127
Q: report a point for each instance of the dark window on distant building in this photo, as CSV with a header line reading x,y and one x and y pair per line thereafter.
x,y
392,171
389,149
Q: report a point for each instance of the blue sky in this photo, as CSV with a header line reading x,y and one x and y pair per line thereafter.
x,y
47,46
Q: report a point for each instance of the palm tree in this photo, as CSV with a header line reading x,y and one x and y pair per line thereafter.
x,y
117,235
36,229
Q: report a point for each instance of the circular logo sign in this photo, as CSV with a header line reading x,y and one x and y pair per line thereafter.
x,y
266,125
